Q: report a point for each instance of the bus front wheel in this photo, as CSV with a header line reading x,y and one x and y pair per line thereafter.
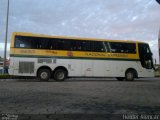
x,y
130,75
60,75
44,74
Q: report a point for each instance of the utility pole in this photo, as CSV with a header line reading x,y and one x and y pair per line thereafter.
x,y
5,40
159,45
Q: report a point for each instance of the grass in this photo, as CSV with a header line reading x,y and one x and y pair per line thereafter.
x,y
5,76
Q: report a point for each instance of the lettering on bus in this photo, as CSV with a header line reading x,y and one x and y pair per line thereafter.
x,y
121,55
51,51
95,54
110,55
27,51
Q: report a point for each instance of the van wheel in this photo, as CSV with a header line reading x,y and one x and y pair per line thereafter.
x,y
60,75
44,74
130,75
120,78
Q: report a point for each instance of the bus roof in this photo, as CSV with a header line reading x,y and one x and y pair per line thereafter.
x,y
68,37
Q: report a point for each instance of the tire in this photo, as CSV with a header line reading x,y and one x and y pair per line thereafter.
x,y
60,75
44,74
130,75
120,78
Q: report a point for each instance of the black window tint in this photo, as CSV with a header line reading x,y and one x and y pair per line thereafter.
x,y
118,47
60,44
41,43
98,46
25,42
19,42
32,42
73,45
107,46
79,45
44,43
145,55
86,46
144,48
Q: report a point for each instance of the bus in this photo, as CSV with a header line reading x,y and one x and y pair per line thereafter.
x,y
60,57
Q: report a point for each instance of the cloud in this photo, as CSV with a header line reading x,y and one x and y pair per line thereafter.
x,y
112,19
2,49
2,46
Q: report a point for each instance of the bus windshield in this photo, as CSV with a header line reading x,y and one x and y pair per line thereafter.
x,y
145,55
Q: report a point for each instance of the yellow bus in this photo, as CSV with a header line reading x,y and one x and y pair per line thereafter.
x,y
44,57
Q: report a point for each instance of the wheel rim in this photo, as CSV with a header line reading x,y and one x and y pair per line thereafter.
x,y
60,75
44,75
129,76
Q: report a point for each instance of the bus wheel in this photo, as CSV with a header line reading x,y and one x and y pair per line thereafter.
x,y
60,75
130,75
120,78
44,74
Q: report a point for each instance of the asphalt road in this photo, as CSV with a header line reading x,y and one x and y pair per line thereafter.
x,y
80,96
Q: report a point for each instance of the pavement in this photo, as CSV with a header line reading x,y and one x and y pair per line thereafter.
x,y
95,97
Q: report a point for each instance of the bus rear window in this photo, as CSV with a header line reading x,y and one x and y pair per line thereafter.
x,y
25,42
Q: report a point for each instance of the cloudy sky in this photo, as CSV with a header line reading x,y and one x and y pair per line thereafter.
x,y
109,19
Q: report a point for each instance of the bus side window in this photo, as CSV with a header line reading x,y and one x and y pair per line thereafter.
x,y
79,45
98,46
86,46
19,42
73,45
25,42
61,44
76,45
54,44
118,47
106,46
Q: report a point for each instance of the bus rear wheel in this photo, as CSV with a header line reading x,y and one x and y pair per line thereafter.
x,y
60,75
44,74
130,75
